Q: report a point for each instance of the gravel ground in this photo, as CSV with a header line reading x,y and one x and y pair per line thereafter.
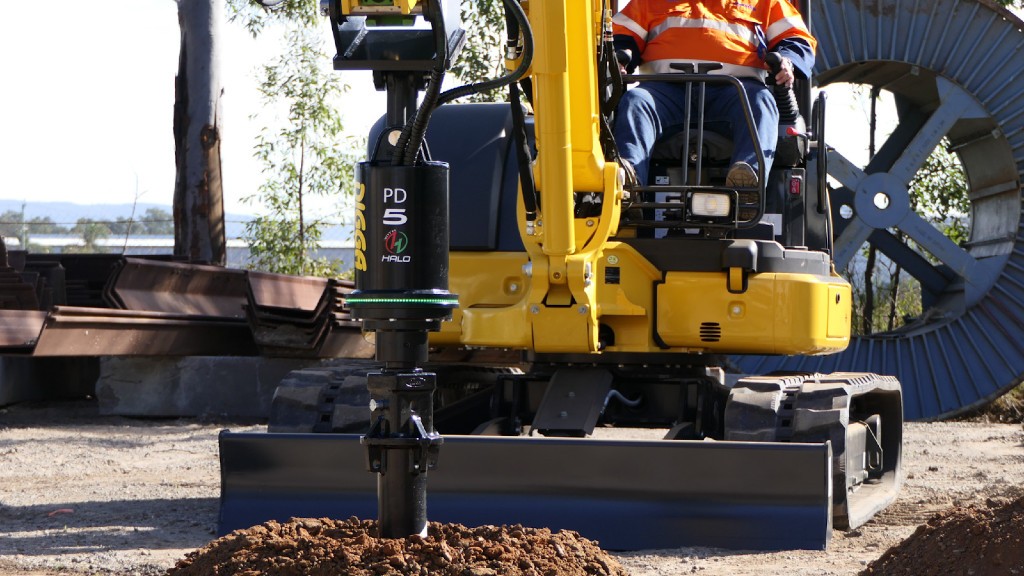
x,y
84,494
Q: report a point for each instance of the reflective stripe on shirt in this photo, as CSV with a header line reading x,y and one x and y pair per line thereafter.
x,y
780,27
627,23
740,31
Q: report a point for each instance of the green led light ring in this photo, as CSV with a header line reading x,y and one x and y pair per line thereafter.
x,y
441,301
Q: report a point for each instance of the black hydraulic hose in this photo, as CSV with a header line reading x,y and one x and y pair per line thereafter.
x,y
409,142
523,156
621,398
610,78
614,86
412,135
527,59
512,33
610,85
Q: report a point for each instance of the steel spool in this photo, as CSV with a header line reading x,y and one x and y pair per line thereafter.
x,y
956,70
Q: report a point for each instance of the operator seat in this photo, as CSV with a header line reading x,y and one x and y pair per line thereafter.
x,y
668,151
667,164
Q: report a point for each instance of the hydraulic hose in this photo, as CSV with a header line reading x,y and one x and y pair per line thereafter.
x,y
412,135
523,157
409,142
524,64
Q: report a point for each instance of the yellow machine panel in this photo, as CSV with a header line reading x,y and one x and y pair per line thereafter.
x,y
776,314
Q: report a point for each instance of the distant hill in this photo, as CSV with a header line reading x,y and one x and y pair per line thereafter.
x,y
67,213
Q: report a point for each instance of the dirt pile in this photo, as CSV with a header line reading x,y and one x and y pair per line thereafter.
x,y
976,541
311,547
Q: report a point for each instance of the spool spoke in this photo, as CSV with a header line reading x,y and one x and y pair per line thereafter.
x,y
938,244
849,242
846,172
929,136
931,279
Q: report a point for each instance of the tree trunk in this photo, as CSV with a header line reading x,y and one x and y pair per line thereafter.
x,y
894,297
198,193
869,292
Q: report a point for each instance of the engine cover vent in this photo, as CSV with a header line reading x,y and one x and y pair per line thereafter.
x,y
710,332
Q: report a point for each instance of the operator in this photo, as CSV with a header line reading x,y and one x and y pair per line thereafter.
x,y
738,34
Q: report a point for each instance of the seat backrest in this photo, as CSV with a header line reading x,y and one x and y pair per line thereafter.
x,y
670,147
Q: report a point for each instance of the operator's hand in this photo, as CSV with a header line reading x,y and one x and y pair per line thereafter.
x,y
623,57
785,76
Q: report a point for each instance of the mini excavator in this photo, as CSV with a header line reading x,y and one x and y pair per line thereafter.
x,y
552,338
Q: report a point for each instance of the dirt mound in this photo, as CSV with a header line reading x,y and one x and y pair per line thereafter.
x,y
976,541
309,547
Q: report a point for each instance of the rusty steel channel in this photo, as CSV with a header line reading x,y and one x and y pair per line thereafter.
x,y
116,306
70,331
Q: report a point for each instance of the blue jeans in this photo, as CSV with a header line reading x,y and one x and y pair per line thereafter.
x,y
652,109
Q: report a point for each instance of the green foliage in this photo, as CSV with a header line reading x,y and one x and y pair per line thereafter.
x,y
157,222
13,224
939,193
91,232
306,156
895,299
154,222
255,17
123,226
1019,4
276,245
44,225
482,56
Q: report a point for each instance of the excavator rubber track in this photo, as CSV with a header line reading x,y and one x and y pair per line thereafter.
x,y
860,415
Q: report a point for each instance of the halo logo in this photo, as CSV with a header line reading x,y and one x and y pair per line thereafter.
x,y
395,242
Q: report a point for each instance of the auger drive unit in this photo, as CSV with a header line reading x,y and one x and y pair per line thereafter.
x,y
552,338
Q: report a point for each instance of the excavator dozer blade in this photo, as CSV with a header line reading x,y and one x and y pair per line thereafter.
x,y
627,495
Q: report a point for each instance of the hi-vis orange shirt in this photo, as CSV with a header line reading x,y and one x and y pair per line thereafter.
x,y
734,33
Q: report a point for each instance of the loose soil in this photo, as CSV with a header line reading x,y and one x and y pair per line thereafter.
x,y
972,541
86,494
313,547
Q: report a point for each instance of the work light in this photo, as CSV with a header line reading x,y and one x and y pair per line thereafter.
x,y
710,205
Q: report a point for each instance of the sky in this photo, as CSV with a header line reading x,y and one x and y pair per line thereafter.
x,y
87,96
